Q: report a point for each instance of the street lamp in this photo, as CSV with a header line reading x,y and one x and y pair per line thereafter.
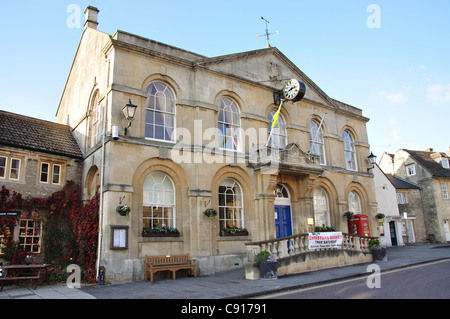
x,y
129,110
372,160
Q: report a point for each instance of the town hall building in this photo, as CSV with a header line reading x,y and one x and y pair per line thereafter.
x,y
197,138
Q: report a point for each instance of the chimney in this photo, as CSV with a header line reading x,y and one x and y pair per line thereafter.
x,y
91,17
430,149
448,152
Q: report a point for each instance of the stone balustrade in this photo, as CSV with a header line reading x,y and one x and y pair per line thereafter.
x,y
295,250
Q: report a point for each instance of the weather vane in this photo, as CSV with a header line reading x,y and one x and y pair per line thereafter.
x,y
267,34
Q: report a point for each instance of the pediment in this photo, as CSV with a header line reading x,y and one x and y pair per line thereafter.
x,y
267,67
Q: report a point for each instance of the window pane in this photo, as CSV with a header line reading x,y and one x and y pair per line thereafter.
x,y
2,166
56,174
230,204
15,168
160,112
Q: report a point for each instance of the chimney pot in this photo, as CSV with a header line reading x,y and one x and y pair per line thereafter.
x,y
91,14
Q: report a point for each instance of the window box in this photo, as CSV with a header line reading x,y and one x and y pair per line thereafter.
x,y
233,232
160,232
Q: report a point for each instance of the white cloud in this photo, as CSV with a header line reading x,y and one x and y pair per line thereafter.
x,y
438,93
396,97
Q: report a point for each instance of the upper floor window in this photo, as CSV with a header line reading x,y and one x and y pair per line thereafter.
x,y
160,112
444,190
349,150
278,138
2,167
94,125
411,170
50,173
401,198
10,168
229,125
316,141
444,163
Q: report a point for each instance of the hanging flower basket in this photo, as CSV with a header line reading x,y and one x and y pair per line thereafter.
x,y
123,210
380,217
348,215
210,212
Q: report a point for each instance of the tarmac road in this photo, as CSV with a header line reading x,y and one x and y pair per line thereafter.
x,y
425,281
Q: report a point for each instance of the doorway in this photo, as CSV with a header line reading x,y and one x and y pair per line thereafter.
x,y
446,231
393,232
283,216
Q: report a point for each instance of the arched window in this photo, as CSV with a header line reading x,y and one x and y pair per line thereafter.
x,y
229,125
321,208
349,150
158,201
231,207
160,112
316,141
280,191
94,125
354,203
278,138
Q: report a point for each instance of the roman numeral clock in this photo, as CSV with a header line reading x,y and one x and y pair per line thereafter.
x,y
293,91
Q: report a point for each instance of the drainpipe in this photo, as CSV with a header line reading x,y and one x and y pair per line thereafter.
x,y
100,223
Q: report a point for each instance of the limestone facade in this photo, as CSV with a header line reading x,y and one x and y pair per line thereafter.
x,y
198,140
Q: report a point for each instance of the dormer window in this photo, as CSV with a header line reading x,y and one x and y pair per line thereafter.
x,y
444,163
411,170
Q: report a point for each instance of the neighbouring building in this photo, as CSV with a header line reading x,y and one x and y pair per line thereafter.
x,y
37,158
198,141
400,202
429,170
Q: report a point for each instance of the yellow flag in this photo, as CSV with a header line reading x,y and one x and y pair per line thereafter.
x,y
275,118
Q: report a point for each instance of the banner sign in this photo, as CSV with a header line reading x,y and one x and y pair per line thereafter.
x,y
10,214
325,240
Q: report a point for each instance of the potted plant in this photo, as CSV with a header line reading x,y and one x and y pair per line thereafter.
x,y
164,231
233,231
324,229
380,217
267,266
123,210
210,212
378,251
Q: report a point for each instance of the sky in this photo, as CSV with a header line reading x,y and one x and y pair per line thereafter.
x,y
389,58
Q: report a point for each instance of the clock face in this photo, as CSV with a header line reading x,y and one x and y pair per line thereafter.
x,y
291,89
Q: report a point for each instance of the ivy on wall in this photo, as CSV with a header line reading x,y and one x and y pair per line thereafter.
x,y
70,229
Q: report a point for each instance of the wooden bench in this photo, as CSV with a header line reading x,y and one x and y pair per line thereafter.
x,y
173,263
14,273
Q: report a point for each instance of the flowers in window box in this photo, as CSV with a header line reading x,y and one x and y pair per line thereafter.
x,y
323,229
123,210
210,212
380,216
164,231
348,215
234,231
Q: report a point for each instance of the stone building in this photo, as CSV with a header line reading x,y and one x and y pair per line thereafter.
x,y
37,158
198,141
431,171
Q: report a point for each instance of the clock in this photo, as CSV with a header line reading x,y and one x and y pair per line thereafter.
x,y
294,90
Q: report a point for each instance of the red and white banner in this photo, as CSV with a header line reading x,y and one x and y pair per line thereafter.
x,y
325,240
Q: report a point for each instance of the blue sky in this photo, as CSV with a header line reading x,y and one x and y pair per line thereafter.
x,y
398,74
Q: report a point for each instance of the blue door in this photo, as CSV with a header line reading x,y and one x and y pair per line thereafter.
x,y
283,221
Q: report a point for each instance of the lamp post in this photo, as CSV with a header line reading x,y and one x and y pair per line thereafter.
x,y
372,160
129,111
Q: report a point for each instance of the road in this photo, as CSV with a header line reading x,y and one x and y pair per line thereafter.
x,y
427,281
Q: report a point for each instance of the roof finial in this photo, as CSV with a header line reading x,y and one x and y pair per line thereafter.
x,y
267,34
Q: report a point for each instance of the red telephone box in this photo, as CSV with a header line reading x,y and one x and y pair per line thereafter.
x,y
359,225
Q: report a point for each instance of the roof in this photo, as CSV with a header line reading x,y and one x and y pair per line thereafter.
x,y
425,158
399,183
37,135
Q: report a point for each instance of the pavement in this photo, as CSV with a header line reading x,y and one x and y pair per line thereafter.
x,y
230,284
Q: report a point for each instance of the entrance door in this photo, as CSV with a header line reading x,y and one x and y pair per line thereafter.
x,y
393,233
446,231
283,221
